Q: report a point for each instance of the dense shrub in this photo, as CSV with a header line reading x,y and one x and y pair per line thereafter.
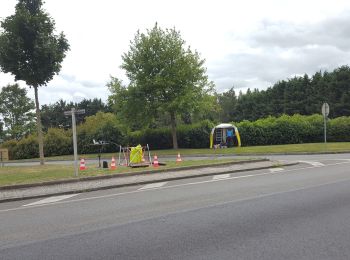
x,y
10,145
101,127
105,126
189,136
58,142
282,130
26,148
339,129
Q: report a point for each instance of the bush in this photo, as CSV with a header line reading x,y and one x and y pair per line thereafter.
x,y
58,142
188,136
10,145
339,129
26,148
101,127
284,130
105,126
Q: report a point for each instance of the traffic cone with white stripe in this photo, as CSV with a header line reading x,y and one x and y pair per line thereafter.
x,y
82,164
113,165
155,161
178,159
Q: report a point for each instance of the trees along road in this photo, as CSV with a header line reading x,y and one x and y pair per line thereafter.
x,y
297,212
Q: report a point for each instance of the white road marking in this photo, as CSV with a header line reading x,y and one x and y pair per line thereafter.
x,y
161,188
50,200
221,176
315,164
153,185
276,169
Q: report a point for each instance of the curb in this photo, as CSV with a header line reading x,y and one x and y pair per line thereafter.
x,y
145,182
127,174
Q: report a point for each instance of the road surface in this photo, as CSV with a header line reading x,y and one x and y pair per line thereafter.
x,y
298,212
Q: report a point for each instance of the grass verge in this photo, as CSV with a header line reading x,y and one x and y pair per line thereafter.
x,y
11,175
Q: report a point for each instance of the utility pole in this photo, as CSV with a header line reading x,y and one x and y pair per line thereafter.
x,y
72,113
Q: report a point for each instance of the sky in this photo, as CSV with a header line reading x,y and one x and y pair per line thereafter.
x,y
246,44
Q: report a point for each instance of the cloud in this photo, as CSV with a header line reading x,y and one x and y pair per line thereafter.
x,y
281,50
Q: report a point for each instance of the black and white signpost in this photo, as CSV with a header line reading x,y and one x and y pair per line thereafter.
x,y
325,113
72,113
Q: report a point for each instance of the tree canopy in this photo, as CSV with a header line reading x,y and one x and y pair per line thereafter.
x,y
31,51
166,78
16,110
299,95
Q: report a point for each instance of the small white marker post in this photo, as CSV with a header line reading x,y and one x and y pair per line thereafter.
x,y
72,113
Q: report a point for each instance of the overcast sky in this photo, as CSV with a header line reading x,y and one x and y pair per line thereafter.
x,y
250,43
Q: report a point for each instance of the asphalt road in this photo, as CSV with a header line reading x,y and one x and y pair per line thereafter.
x,y
299,212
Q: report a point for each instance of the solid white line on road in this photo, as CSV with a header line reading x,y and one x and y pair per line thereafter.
x,y
316,164
153,185
276,169
221,176
50,200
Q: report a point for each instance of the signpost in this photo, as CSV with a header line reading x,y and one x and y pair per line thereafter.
x,y
325,113
4,156
72,113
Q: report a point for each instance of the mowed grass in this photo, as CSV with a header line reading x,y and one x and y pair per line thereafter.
x,y
249,150
11,175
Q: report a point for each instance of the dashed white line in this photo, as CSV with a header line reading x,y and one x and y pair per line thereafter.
x,y
276,169
50,200
221,176
153,185
166,187
315,164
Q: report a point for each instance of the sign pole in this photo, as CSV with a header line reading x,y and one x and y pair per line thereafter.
x,y
325,113
72,113
75,145
325,129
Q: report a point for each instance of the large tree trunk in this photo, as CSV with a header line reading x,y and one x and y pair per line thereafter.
x,y
173,129
39,127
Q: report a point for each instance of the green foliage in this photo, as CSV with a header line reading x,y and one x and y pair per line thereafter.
x,y
282,130
339,129
189,136
58,142
10,145
105,127
165,78
17,111
52,115
29,49
26,148
298,95
101,127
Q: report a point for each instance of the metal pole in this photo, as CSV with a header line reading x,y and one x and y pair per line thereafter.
x,y
325,128
75,145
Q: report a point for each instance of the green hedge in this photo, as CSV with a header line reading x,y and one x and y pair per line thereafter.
x,y
285,130
189,136
105,126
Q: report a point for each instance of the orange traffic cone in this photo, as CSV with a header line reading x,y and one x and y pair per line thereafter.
x,y
82,164
155,161
113,165
178,159
143,157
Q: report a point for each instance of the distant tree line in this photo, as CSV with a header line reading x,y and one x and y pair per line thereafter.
x,y
299,95
52,115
